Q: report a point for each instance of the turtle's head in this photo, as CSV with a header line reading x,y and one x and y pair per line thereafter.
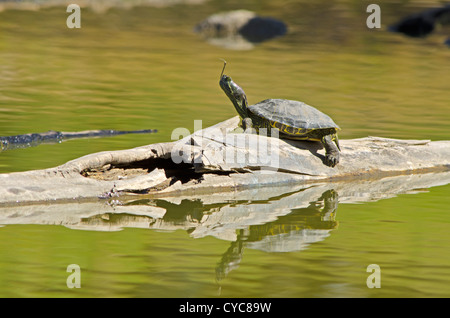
x,y
235,93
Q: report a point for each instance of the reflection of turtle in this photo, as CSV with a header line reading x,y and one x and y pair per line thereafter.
x,y
295,120
292,232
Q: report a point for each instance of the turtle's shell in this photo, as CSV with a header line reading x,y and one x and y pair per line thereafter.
x,y
292,113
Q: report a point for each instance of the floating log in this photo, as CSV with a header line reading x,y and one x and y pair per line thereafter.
x,y
216,159
53,137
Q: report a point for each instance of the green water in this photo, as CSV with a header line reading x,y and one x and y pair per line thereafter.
x,y
145,68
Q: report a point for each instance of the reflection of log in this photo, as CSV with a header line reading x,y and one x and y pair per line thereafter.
x,y
209,161
222,214
32,140
272,219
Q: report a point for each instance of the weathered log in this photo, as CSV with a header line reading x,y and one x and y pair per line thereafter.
x,y
216,159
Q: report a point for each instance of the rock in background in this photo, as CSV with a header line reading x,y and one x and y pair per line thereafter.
x,y
239,29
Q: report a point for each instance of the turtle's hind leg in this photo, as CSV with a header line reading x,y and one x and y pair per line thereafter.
x,y
331,150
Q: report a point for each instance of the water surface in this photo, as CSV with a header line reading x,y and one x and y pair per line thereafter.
x,y
145,68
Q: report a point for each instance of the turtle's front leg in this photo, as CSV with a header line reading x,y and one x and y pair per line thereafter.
x,y
247,125
331,151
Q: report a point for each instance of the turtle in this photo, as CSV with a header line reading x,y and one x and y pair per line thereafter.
x,y
294,120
